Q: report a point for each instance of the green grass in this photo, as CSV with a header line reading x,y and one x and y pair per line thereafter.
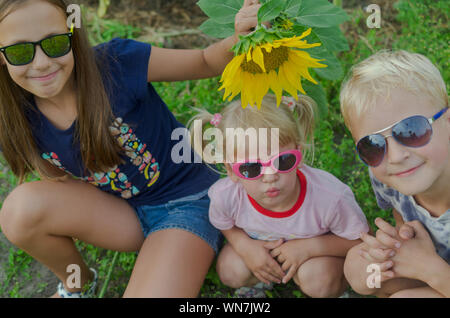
x,y
424,29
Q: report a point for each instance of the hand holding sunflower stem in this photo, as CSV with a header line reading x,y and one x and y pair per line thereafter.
x,y
246,19
271,51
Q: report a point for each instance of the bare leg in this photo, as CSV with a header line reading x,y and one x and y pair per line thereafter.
x,y
419,292
322,277
232,270
42,217
171,263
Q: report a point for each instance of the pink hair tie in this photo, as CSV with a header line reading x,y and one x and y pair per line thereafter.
x,y
216,119
290,101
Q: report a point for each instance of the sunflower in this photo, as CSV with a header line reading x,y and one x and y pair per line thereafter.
x,y
277,65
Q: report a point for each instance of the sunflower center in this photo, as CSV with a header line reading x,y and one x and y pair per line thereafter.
x,y
272,60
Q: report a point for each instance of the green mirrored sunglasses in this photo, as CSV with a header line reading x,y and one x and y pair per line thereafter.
x,y
53,46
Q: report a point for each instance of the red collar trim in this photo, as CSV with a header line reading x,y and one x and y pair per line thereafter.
x,y
291,211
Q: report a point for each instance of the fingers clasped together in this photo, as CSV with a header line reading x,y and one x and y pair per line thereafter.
x,y
388,248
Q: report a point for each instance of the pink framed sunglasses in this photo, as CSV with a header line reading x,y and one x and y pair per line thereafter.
x,y
284,162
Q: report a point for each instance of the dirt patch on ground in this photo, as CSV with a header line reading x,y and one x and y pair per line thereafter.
x,y
172,23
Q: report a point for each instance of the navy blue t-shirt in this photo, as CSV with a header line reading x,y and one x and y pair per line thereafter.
x,y
143,126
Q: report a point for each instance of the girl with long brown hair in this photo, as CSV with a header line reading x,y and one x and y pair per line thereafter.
x,y
90,124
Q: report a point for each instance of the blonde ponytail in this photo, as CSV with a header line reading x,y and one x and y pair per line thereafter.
x,y
293,119
205,117
305,109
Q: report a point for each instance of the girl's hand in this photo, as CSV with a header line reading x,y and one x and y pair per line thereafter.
x,y
378,253
247,18
383,248
389,236
291,255
415,255
261,263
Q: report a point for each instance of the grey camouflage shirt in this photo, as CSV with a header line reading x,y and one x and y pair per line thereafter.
x,y
438,227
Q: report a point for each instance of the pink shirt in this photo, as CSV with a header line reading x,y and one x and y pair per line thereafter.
x,y
324,205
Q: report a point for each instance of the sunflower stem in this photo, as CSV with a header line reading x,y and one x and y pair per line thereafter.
x,y
108,276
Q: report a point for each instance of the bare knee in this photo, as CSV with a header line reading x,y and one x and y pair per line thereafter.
x,y
231,269
22,212
355,271
320,278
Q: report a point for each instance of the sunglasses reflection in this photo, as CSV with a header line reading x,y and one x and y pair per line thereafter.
x,y
414,131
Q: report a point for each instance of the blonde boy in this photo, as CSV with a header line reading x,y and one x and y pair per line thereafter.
x,y
395,105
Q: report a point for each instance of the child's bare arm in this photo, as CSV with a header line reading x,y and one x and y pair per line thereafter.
x,y
330,245
294,253
438,276
177,65
255,254
417,259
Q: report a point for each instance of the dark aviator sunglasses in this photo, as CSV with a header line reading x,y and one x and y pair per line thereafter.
x,y
414,131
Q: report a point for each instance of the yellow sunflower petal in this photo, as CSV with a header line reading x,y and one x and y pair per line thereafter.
x,y
258,58
229,76
231,67
247,89
275,85
305,34
308,60
261,88
249,55
300,66
284,82
301,44
236,87
268,47
293,78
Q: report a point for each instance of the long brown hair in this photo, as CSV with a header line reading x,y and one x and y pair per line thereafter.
x,y
99,150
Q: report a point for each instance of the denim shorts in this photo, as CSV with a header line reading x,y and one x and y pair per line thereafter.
x,y
189,213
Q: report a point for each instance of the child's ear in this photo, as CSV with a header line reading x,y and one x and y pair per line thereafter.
x,y
230,173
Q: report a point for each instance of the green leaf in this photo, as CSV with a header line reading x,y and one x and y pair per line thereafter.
x,y
222,11
317,93
217,30
332,38
292,7
320,13
334,70
270,10
258,36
